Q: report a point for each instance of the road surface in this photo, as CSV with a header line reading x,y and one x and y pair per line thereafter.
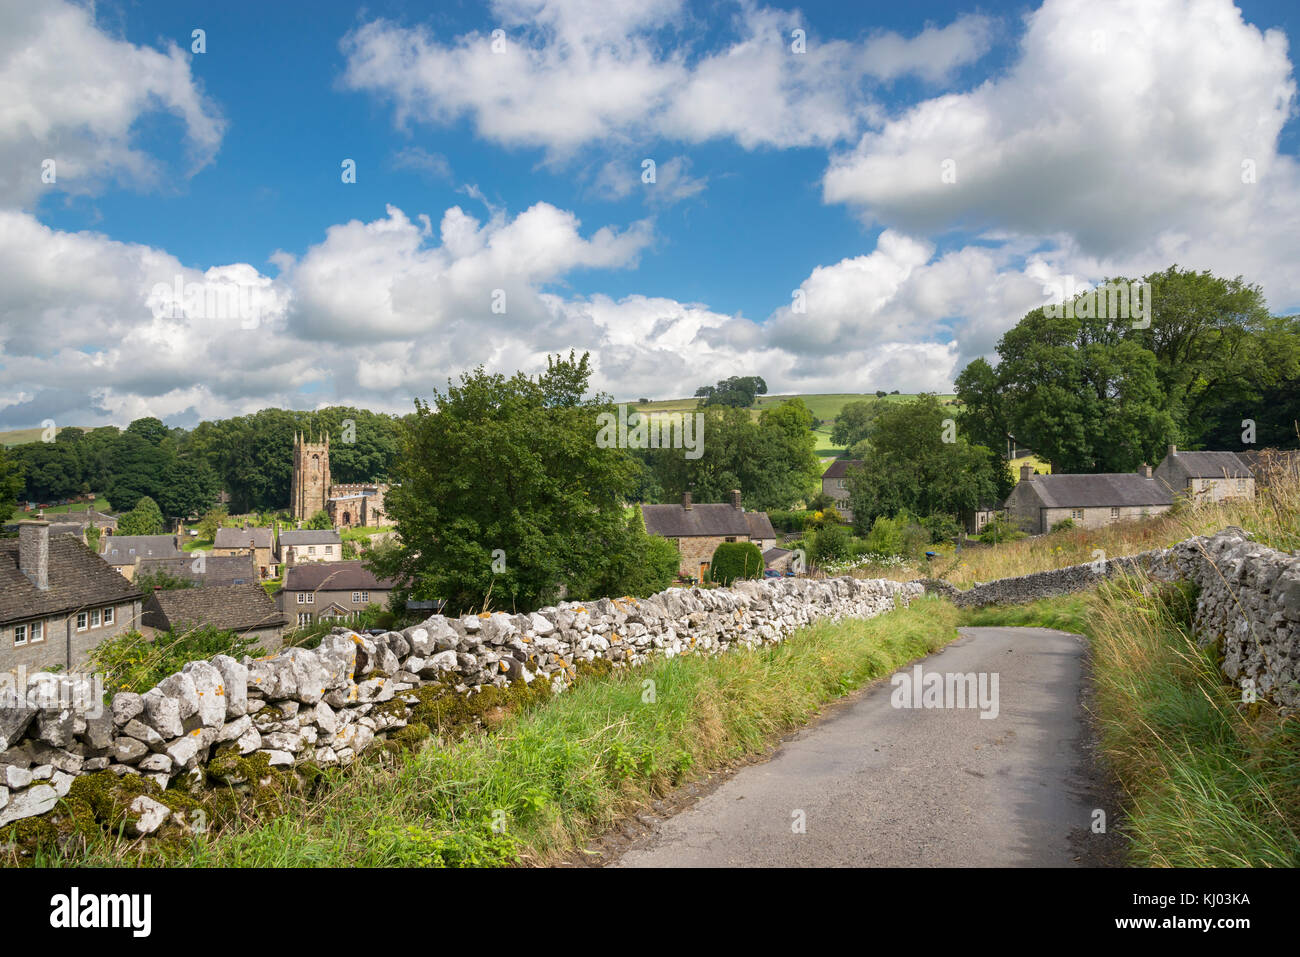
x,y
878,785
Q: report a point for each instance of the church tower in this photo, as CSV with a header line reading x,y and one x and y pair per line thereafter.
x,y
311,476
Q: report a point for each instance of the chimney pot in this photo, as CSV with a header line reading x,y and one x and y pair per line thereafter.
x,y
1144,470
34,553
686,500
1173,449
1026,473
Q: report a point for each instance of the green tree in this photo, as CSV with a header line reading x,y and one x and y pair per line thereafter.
x,y
735,560
11,478
136,471
910,466
503,493
145,519
150,429
320,521
855,422
737,391
188,488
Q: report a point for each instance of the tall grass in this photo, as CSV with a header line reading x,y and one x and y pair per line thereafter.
x,y
566,770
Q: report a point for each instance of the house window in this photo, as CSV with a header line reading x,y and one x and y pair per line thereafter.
x,y
82,620
108,616
839,483
94,618
38,631
302,598
1114,514
304,618
20,634
311,597
311,549
365,597
1241,485
356,597
1076,513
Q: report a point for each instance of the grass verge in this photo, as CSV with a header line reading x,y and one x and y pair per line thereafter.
x,y
1209,780
559,773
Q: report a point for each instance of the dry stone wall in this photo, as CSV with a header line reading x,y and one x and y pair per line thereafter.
x,y
326,705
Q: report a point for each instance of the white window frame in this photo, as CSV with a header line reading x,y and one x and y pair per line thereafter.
x,y
96,618
1077,514
37,632
302,598
20,635
1114,512
83,621
356,597
311,597
365,598
108,615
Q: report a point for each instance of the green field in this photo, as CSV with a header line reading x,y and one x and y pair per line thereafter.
x,y
21,436
100,505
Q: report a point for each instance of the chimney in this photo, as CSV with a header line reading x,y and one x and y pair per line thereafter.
x,y
735,499
1144,470
1173,450
686,501
34,552
1026,473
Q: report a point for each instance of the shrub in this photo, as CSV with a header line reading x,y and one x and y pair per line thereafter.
x,y
132,662
1063,525
1001,529
734,560
830,544
792,521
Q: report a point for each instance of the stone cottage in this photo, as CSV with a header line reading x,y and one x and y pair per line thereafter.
x,y
834,484
245,609
333,591
310,545
1040,501
122,552
257,542
58,600
698,529
1205,476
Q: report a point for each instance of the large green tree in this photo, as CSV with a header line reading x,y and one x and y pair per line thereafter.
x,y
504,496
911,465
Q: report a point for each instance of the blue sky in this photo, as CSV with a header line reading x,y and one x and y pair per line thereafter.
x,y
1090,139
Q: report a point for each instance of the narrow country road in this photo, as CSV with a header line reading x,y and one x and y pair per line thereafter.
x,y
884,786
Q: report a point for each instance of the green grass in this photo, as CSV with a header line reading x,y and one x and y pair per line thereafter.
x,y
1209,781
561,772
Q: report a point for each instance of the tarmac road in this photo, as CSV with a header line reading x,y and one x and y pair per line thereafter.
x,y
880,785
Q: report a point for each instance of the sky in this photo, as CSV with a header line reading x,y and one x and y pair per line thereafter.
x,y
310,204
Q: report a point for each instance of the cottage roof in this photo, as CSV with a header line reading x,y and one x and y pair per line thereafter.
x,y
310,536
707,519
212,571
1212,464
78,579
229,607
840,468
241,537
1114,489
125,549
334,576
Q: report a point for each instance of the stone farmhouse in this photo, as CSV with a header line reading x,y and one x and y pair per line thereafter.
x,y
1205,476
123,551
697,530
244,609
310,545
311,491
833,484
256,542
58,600
204,571
1040,501
333,591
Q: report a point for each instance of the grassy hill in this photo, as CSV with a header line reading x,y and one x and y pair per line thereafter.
x,y
22,436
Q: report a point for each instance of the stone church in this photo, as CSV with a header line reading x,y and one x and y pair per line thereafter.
x,y
311,491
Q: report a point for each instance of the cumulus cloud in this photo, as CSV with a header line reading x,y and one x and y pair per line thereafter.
x,y
563,73
73,94
1134,132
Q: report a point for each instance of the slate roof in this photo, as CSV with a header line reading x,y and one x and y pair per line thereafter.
x,y
125,549
1113,489
776,554
78,578
229,607
311,536
217,569
840,468
334,576
68,528
674,521
1212,465
240,537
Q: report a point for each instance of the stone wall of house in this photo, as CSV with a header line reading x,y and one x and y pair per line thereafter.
x,y
326,705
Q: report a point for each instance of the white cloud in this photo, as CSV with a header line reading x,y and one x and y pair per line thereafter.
x,y
1119,133
73,94
570,72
